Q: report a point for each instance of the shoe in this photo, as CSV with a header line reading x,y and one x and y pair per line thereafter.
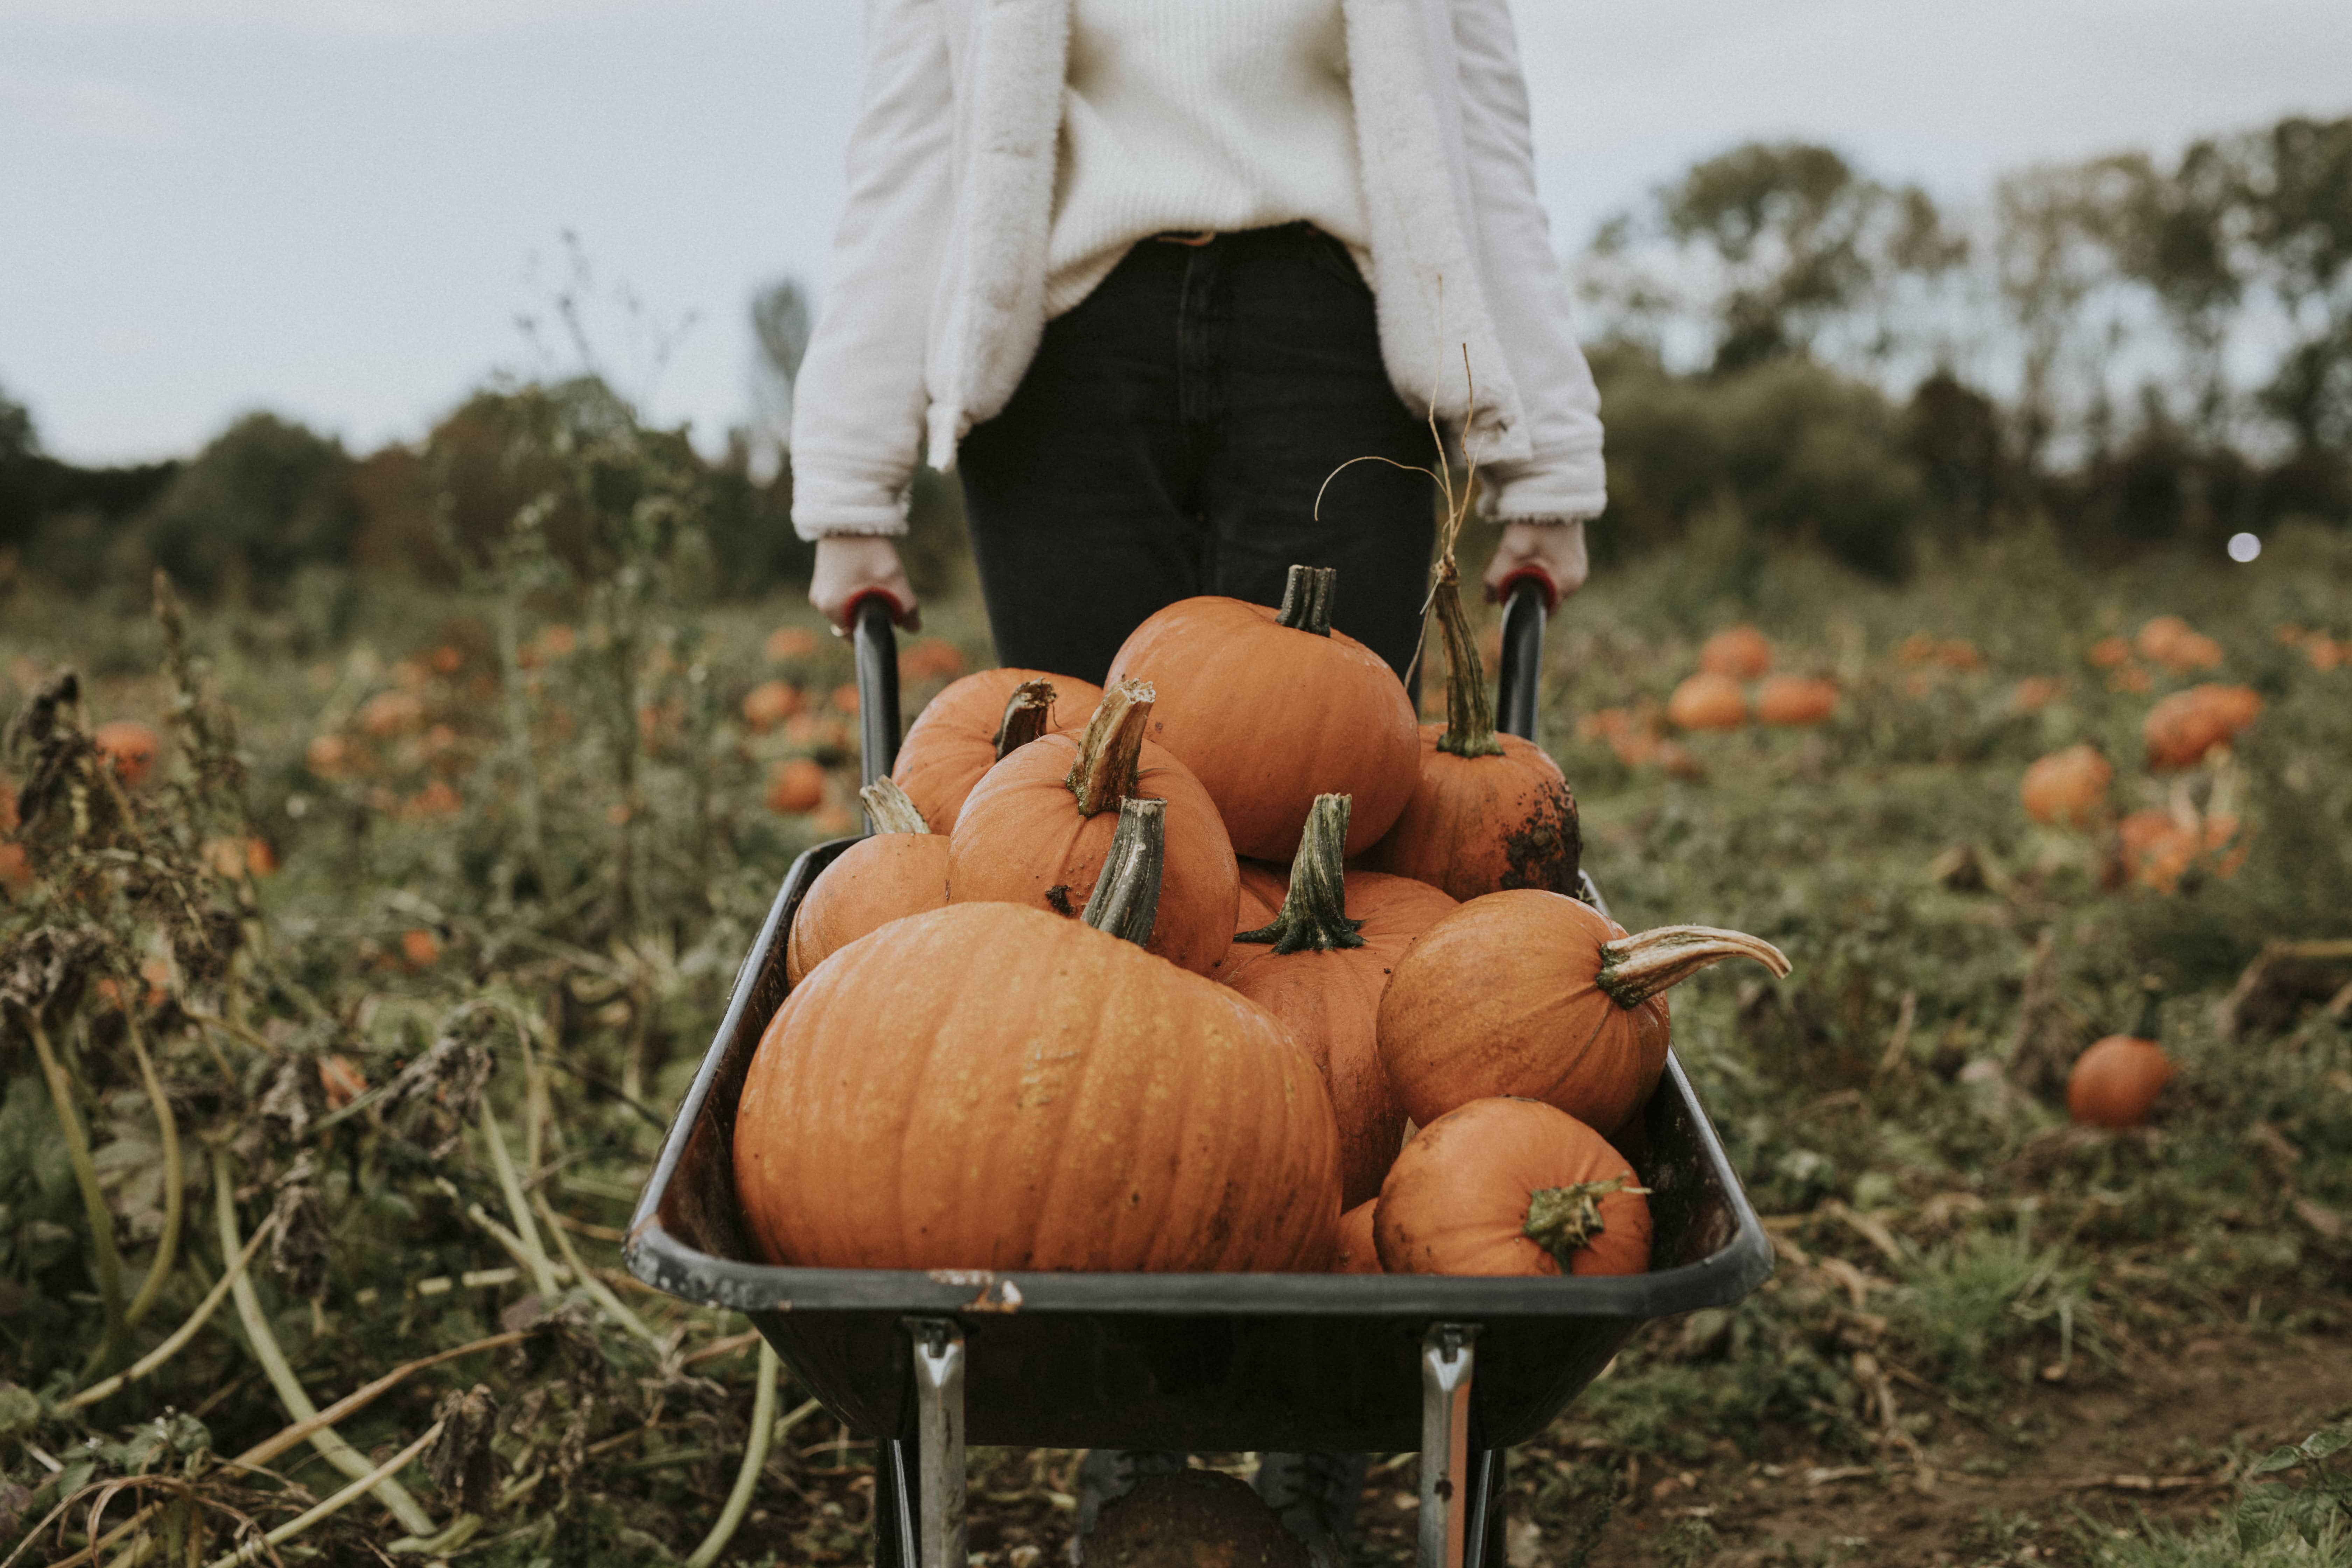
x,y
1315,1494
1105,1475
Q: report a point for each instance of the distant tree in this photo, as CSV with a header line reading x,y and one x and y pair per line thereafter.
x,y
20,503
266,496
2296,187
782,320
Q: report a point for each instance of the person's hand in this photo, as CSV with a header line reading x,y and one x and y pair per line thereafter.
x,y
851,565
1554,549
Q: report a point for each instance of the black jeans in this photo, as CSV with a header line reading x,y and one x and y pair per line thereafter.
x,y
1170,440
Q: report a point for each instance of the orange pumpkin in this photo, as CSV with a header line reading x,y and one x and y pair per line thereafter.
x,y
1708,701
15,867
797,784
1736,653
1262,890
2110,653
1511,1186
1796,699
962,732
2035,693
2116,1082
2157,848
2160,635
1526,993
1490,810
2181,727
128,747
988,1086
789,642
2067,788
1035,828
1271,708
902,870
770,703
1357,1252
1321,965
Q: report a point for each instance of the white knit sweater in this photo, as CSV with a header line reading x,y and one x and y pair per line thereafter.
x,y
1199,114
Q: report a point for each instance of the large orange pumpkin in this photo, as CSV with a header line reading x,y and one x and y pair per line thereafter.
x,y
1740,653
2181,727
1271,708
1533,994
962,732
1490,811
988,1086
1321,965
1708,701
902,870
1511,1186
1357,1252
1035,828
128,747
2067,788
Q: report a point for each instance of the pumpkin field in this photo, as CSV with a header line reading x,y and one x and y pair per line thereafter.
x,y
354,953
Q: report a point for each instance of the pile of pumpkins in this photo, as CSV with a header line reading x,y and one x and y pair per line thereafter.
x,y
1164,976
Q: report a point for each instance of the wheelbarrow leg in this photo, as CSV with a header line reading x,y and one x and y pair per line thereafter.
x,y
1447,1491
933,1472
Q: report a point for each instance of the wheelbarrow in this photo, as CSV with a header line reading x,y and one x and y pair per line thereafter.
x,y
1456,1368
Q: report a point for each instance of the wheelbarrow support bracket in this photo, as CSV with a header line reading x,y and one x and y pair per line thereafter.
x,y
1448,1495
939,1439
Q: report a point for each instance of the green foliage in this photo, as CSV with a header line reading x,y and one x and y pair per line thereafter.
x,y
2303,1519
266,496
1964,1307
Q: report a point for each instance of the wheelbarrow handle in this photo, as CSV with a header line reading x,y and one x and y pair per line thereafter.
x,y
1528,597
878,684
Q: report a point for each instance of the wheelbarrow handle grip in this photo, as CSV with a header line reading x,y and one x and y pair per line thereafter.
x,y
1529,596
876,645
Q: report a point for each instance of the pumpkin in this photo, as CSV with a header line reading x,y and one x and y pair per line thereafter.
x,y
2157,848
902,870
1738,653
2160,635
129,748
2116,1082
770,703
16,867
1511,1186
1320,964
797,784
1271,708
962,732
989,1086
1262,890
2067,788
1534,994
783,643
2035,693
1708,701
1035,828
2110,653
1796,699
1357,1253
2181,727
1490,811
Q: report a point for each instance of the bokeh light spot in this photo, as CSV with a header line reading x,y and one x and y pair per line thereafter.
x,y
2244,547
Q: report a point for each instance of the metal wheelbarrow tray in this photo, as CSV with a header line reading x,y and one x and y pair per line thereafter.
x,y
1457,1368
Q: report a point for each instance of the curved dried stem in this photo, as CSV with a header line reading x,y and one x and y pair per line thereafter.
x,y
1315,910
1112,752
1027,713
1469,712
185,1332
1635,968
368,1480
1126,899
746,1476
107,1262
890,810
175,1184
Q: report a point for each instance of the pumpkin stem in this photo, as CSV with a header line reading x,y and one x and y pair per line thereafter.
x,y
1112,750
1026,713
1635,968
890,809
1315,912
1126,894
1306,597
1469,715
1564,1221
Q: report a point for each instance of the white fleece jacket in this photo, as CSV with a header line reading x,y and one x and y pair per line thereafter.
x,y
937,294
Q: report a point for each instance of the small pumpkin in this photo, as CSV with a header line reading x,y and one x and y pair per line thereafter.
x,y
2160,635
902,870
989,1086
1270,708
1490,810
1357,1252
2116,1082
796,785
1796,700
1321,965
129,748
1738,653
1035,828
1534,994
770,703
1506,1186
1708,701
973,721
2067,788
2181,729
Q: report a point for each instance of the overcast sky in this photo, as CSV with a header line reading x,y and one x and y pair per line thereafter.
x,y
338,209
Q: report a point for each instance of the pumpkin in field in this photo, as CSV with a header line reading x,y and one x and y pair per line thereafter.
x,y
129,748
1708,701
1736,653
1490,810
2181,727
788,643
1357,1253
770,703
1533,994
1035,828
1321,965
962,732
2110,653
797,784
2116,1082
2067,788
902,870
1796,699
990,1086
1271,708
15,867
2157,848
1511,1186
2160,635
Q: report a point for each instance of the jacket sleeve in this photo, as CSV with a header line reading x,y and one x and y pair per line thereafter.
x,y
1527,289
858,405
